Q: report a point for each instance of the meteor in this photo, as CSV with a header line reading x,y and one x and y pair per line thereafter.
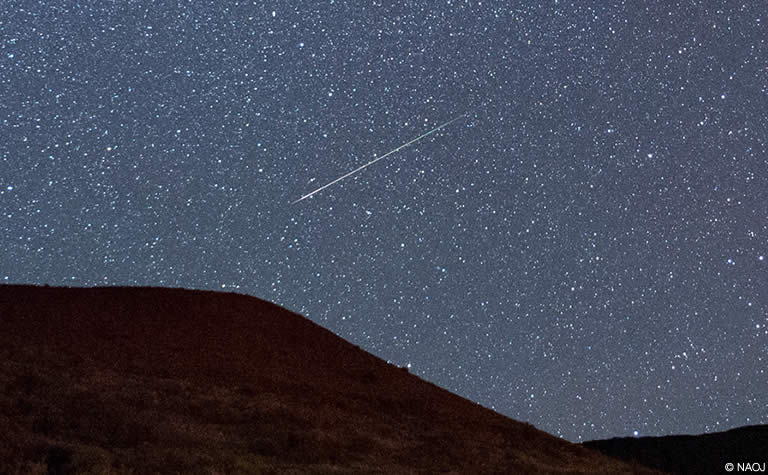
x,y
381,157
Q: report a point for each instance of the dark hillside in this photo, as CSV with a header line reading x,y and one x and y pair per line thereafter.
x,y
144,380
692,454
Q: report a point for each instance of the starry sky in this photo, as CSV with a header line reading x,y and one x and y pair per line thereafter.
x,y
584,249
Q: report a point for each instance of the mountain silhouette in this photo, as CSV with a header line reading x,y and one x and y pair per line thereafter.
x,y
155,380
693,454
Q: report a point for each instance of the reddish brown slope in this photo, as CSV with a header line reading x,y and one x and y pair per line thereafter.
x,y
146,379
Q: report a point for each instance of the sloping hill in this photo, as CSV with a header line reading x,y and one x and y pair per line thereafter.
x,y
693,454
145,380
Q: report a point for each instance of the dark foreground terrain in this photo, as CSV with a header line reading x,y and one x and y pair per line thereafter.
x,y
147,380
694,454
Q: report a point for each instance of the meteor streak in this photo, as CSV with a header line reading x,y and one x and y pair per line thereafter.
x,y
380,158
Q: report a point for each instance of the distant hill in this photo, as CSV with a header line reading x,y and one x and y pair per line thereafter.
x,y
151,380
693,454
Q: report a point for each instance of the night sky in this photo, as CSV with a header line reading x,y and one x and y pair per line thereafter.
x,y
584,249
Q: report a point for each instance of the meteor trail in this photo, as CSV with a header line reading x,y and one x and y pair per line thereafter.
x,y
381,157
